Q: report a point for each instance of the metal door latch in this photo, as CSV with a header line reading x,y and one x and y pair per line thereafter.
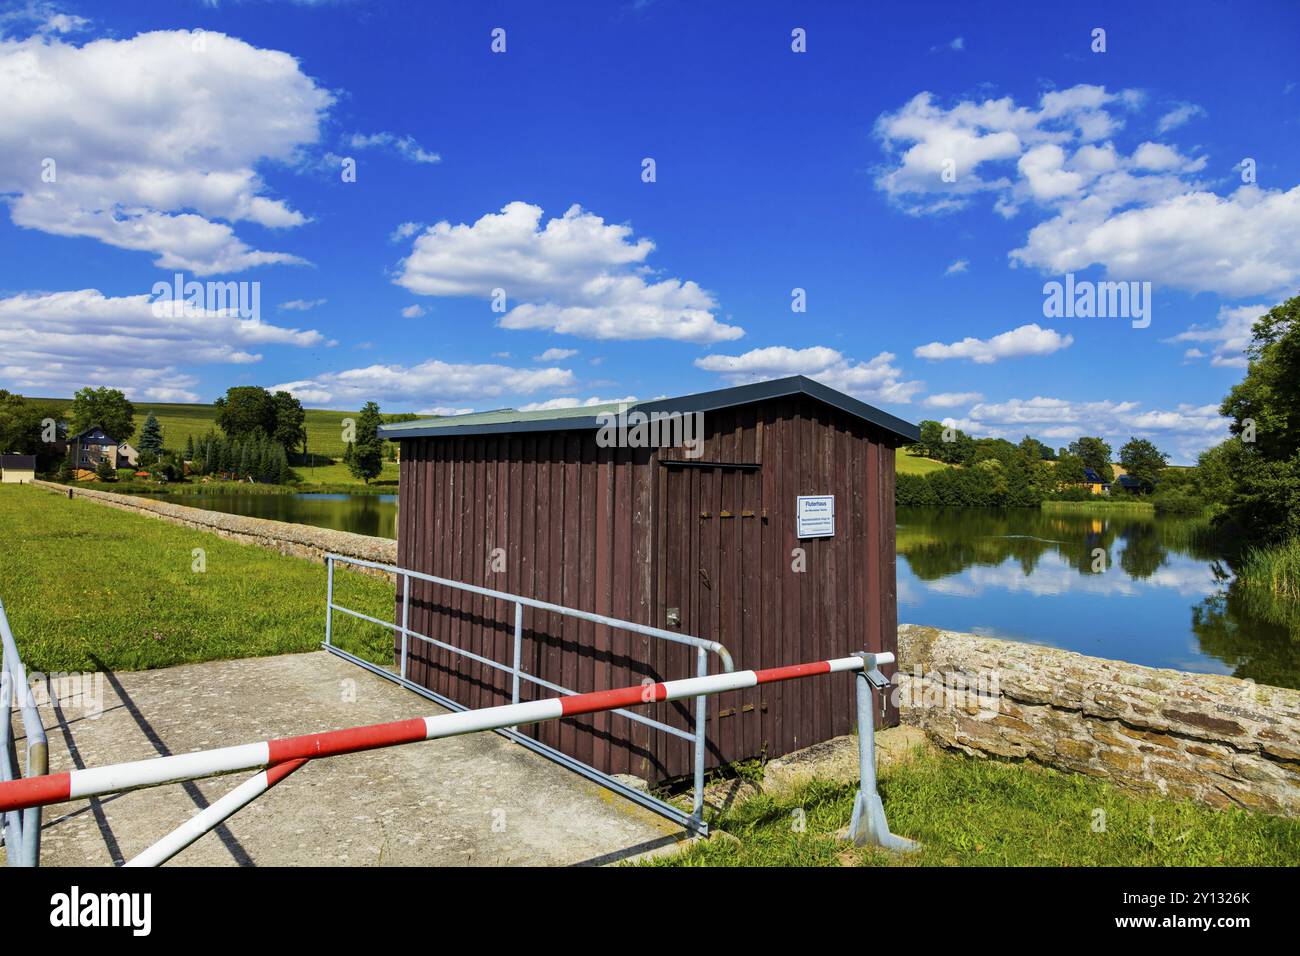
x,y
877,679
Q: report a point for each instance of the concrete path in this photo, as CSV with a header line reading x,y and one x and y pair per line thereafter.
x,y
472,800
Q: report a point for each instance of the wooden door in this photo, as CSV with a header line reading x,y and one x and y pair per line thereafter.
x,y
711,569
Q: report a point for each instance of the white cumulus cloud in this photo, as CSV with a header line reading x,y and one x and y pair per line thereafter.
x,y
576,274
150,143
952,399
876,379
57,342
432,383
1025,340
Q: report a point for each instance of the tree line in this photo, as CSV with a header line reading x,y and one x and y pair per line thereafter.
x,y
996,472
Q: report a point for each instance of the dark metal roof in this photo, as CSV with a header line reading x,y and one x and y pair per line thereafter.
x,y
94,435
506,421
18,461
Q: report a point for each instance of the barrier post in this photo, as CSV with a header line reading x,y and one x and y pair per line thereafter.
x,y
329,596
406,617
868,825
701,712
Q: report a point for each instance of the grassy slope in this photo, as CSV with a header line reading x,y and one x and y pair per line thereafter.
x,y
969,812
906,463
324,435
87,587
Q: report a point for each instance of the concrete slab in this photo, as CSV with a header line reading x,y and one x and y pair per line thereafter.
x,y
472,800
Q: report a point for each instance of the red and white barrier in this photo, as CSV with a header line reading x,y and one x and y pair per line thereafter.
x,y
97,781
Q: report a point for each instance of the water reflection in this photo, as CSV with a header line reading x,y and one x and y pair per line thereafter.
x,y
375,515
1154,591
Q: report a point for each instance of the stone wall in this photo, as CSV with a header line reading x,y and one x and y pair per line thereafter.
x,y
299,540
1216,740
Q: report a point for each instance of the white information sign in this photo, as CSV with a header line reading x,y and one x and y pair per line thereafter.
x,y
815,516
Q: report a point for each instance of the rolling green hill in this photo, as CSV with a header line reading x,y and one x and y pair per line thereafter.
x,y
906,463
179,422
324,436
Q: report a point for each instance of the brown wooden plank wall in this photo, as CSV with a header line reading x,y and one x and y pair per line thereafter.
x,y
624,532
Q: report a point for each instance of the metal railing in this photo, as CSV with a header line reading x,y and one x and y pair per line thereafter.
x,y
277,758
693,821
22,828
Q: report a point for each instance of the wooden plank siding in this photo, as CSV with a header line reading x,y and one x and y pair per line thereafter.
x,y
633,532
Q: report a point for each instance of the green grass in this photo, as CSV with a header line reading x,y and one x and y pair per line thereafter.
x,y
1268,584
907,463
1102,503
337,474
1274,570
87,587
971,812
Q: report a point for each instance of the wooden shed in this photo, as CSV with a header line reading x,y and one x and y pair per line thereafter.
x,y
699,531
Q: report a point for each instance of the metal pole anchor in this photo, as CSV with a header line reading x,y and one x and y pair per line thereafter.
x,y
868,825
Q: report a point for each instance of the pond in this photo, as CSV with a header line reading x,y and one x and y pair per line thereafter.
x,y
1124,585
375,515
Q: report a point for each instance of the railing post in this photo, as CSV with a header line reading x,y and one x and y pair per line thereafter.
x,y
701,715
519,650
406,616
38,765
329,596
13,819
868,824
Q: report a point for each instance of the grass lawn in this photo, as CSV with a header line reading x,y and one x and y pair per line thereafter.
x,y
970,812
337,474
88,587
906,463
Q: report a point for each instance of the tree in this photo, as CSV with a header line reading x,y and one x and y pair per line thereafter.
x,y
105,471
246,411
105,407
290,422
1143,461
1036,449
151,436
1069,470
931,439
367,461
1095,454
189,448
1263,457
22,425
990,449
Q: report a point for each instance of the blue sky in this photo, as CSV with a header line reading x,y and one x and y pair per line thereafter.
x,y
219,154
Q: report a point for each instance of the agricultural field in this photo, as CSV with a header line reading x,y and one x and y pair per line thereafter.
x,y
179,422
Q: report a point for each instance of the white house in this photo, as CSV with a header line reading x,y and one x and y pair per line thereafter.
x,y
17,469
